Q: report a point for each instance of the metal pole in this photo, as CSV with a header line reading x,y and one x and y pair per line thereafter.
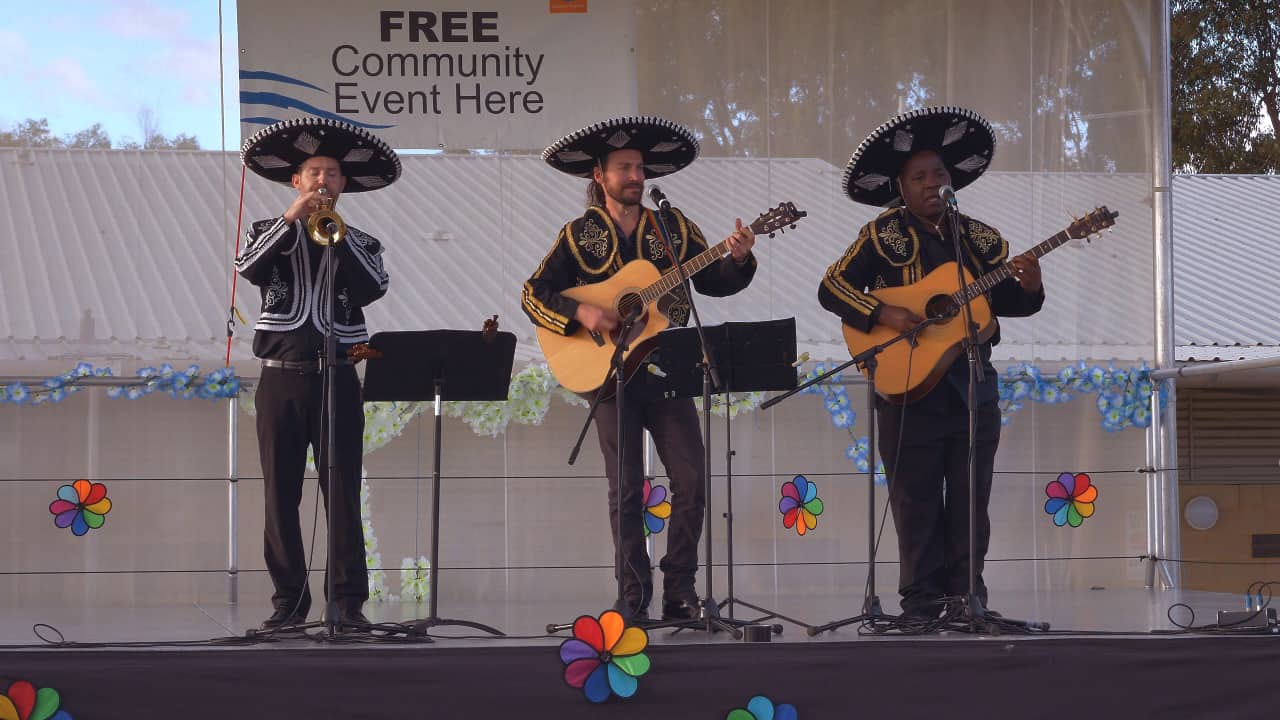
x,y
1152,481
1216,368
233,518
1163,518
652,476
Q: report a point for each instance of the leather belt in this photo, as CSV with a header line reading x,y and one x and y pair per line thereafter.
x,y
302,366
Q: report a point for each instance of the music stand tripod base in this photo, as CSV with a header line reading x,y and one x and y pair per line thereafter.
x,y
440,365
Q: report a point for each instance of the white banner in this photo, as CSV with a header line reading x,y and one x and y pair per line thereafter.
x,y
498,74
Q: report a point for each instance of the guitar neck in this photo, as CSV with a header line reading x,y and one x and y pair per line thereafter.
x,y
670,280
1005,271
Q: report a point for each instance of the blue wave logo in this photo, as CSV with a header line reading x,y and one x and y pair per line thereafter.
x,y
288,102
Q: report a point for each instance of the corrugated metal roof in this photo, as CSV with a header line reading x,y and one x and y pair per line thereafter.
x,y
1224,264
126,254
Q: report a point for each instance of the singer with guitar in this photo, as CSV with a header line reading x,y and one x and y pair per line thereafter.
x,y
911,165
618,155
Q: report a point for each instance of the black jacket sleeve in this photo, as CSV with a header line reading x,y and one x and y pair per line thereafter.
x,y
1007,297
265,241
721,278
843,287
360,262
541,299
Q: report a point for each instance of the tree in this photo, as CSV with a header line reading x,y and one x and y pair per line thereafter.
x,y
91,137
1226,86
30,133
35,133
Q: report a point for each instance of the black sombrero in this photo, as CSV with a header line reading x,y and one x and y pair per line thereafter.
x,y
962,137
276,152
666,146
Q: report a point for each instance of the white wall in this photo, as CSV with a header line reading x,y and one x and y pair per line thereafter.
x,y
511,501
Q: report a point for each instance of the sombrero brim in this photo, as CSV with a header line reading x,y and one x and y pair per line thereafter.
x,y
666,146
276,152
963,139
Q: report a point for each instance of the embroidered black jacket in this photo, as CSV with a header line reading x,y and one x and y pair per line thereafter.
x,y
288,270
898,249
587,250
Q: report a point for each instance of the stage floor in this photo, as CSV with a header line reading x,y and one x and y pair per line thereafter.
x,y
1111,654
1109,612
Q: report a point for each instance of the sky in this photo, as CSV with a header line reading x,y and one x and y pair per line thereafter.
x,y
78,63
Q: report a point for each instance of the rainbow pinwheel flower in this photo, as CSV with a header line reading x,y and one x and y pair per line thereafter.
x,y
604,656
762,708
1071,499
656,508
800,505
23,702
81,505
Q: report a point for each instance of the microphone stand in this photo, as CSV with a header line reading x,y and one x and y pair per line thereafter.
x,y
871,609
709,618
618,376
332,621
975,615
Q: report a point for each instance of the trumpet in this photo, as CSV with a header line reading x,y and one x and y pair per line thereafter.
x,y
325,226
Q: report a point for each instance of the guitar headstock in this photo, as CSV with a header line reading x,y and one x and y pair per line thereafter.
x,y
779,219
1093,222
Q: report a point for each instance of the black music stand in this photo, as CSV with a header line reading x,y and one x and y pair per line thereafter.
x,y
440,365
753,356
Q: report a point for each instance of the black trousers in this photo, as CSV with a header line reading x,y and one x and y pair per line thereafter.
x,y
290,410
929,492
678,441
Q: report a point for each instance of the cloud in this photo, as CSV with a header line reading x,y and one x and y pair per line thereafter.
x,y
15,53
70,75
144,19
197,62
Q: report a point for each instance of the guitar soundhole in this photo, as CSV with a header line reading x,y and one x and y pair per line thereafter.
x,y
940,306
630,306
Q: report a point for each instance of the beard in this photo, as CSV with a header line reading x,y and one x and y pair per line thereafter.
x,y
627,195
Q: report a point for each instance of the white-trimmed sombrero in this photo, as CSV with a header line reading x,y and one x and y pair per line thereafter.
x,y
666,146
276,152
962,137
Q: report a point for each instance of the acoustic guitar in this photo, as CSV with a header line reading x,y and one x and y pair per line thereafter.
x,y
906,373
581,361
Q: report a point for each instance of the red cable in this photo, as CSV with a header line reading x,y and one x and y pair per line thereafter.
x,y
231,316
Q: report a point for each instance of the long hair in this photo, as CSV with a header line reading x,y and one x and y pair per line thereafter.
x,y
595,194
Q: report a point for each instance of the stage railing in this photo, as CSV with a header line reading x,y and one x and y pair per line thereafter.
x,y
1153,470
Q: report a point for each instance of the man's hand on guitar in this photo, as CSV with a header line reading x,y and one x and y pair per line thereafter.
x,y
1026,271
596,319
740,241
898,318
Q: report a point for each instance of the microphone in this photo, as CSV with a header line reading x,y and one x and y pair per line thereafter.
x,y
658,198
948,196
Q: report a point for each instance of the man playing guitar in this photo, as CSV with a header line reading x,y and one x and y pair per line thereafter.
x,y
924,437
618,155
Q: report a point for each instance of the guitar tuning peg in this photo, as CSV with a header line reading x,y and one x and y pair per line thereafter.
x,y
772,235
793,226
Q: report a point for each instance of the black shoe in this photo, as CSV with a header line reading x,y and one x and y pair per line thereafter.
x,y
284,616
631,610
682,605
351,619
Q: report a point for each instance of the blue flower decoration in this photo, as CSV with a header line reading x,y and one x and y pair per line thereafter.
x,y
17,393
